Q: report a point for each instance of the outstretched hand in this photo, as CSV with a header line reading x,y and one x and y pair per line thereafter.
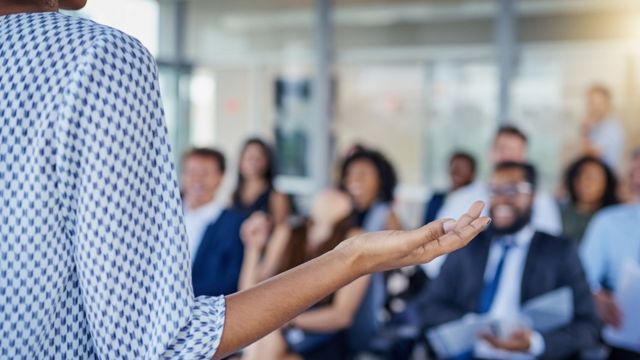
x,y
385,250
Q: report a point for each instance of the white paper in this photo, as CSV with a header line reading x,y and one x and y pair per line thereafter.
x,y
627,296
457,337
550,311
543,313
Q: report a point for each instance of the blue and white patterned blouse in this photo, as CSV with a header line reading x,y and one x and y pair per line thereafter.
x,y
93,254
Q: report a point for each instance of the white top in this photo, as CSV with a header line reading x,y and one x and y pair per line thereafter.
x,y
506,303
196,221
93,255
546,214
608,137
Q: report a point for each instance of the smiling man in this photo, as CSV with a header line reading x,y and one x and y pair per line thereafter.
x,y
509,264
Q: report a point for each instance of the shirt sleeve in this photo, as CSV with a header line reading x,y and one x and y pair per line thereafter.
x,y
125,219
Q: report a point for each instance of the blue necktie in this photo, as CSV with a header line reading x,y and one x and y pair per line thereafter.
x,y
491,286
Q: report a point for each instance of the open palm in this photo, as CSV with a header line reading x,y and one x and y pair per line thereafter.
x,y
385,250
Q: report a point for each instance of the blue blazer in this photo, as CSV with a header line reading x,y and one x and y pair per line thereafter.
x,y
216,268
551,263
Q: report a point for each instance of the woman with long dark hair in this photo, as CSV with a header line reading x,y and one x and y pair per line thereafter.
x,y
316,333
254,189
591,186
370,179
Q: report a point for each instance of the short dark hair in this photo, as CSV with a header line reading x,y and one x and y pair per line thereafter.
x,y
209,153
462,155
386,172
513,131
529,171
609,197
600,89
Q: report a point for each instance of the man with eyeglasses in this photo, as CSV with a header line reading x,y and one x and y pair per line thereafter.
x,y
506,266
509,144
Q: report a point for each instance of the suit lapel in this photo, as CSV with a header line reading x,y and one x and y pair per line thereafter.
x,y
529,267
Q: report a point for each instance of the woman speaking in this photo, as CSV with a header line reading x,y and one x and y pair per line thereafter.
x,y
93,256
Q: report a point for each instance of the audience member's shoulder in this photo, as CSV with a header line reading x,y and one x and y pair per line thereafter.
x,y
459,200
555,240
616,213
476,188
234,214
557,247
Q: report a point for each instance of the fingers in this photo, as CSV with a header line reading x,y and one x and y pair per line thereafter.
x,y
439,228
512,344
472,214
461,235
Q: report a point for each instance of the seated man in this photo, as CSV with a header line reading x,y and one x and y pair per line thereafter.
x,y
213,232
505,267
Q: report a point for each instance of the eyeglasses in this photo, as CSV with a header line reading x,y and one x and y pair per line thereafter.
x,y
512,190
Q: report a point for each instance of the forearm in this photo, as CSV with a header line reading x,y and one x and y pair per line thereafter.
x,y
254,313
250,269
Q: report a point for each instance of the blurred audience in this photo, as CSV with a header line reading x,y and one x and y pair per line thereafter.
x,y
319,333
591,186
254,190
212,231
508,265
611,241
462,172
602,133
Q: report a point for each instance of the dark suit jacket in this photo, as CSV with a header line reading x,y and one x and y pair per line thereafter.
x,y
216,268
433,207
551,263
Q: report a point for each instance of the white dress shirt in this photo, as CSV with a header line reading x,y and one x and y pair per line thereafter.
x,y
505,308
196,221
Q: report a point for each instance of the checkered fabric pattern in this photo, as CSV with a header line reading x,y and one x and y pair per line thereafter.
x,y
93,253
